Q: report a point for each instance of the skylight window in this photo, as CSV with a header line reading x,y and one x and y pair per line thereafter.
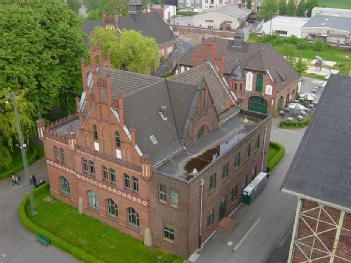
x,y
163,112
153,139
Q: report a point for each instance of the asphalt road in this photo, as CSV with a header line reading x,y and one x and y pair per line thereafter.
x,y
263,223
17,245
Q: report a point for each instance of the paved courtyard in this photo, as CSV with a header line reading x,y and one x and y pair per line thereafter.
x,y
263,223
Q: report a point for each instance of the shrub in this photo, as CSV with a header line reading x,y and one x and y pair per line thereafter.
x,y
275,159
295,124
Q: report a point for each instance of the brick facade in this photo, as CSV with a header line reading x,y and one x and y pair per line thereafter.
x,y
69,157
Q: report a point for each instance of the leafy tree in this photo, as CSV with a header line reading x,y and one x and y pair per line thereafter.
x,y
282,7
41,46
129,51
249,4
291,8
8,131
310,4
268,9
73,5
300,65
301,8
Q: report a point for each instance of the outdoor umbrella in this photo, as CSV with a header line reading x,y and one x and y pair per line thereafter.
x,y
308,97
296,108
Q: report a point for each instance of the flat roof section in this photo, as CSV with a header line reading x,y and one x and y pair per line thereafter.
x,y
321,168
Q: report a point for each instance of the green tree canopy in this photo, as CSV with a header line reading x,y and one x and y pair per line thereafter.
x,y
300,65
41,46
310,4
249,4
291,8
268,9
282,7
129,51
301,8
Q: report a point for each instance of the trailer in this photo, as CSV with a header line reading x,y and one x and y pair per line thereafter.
x,y
253,189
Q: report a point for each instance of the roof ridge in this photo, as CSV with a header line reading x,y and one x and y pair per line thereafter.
x,y
130,72
143,88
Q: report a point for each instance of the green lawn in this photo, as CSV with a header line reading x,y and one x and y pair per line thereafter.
x,y
98,239
336,3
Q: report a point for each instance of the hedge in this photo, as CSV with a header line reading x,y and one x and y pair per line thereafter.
x,y
75,251
275,159
295,124
35,154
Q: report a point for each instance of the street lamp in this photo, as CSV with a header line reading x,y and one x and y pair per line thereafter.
x,y
22,147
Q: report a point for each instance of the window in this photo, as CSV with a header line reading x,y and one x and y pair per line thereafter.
x,y
133,217
92,168
85,166
246,181
234,193
212,182
258,141
112,209
56,153
249,150
135,184
241,86
126,181
282,32
168,233
113,176
236,86
62,155
65,186
211,215
95,133
225,170
117,141
174,197
209,20
259,82
254,172
104,173
201,132
237,160
93,202
162,192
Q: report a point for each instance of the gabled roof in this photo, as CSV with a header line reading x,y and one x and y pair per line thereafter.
x,y
321,168
259,57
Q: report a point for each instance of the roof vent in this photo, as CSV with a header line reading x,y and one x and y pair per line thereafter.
x,y
153,139
163,112
194,171
245,121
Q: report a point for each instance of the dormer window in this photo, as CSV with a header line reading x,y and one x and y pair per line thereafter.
x,y
163,112
95,133
117,140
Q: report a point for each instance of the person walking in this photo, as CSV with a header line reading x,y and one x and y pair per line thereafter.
x,y
13,179
34,180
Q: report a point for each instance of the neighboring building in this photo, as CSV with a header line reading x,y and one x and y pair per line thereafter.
x,y
163,160
284,26
165,11
332,29
320,176
149,24
228,16
260,79
331,12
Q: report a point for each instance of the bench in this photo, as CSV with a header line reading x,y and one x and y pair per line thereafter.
x,y
42,239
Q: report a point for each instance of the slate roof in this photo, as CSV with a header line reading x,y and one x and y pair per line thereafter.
x,y
333,22
259,57
149,24
321,168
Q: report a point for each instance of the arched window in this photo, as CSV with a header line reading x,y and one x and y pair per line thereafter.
x,y
112,209
133,217
93,202
90,80
65,186
117,141
259,82
201,132
95,133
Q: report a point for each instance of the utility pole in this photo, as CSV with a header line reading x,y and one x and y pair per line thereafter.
x,y
23,146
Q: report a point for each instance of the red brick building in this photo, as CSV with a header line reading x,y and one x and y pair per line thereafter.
x,y
259,78
163,160
321,179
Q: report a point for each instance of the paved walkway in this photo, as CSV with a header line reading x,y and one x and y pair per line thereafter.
x,y
17,245
263,223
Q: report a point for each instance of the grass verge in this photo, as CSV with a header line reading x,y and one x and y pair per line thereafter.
x,y
336,4
295,124
275,154
34,153
84,237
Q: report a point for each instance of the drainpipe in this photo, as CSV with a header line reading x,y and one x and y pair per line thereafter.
x,y
264,147
202,182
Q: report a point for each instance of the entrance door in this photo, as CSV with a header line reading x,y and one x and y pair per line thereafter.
x,y
280,104
257,104
222,208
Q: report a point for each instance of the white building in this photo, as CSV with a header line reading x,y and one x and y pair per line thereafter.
x,y
165,11
331,12
229,16
284,26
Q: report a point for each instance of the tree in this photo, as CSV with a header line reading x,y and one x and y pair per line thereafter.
x,y
41,47
129,51
310,4
301,8
8,131
249,4
300,65
268,9
282,7
73,5
291,8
